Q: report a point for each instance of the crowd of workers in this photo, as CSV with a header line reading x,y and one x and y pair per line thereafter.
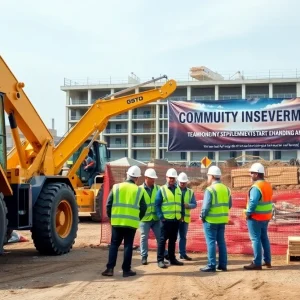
x,y
166,210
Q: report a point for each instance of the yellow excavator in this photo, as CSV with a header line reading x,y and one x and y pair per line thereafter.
x,y
34,194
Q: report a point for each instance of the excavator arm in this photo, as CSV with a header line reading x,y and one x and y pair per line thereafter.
x,y
38,154
96,118
17,103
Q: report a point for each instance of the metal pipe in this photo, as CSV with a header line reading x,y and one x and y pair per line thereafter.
x,y
17,140
134,87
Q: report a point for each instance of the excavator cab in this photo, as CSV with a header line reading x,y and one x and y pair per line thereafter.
x,y
100,156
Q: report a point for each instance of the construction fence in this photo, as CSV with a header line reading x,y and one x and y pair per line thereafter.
x,y
286,207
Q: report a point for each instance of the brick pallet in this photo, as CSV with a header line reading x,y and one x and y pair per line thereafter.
x,y
293,248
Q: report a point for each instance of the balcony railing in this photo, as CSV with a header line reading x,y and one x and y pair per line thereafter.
x,y
118,117
251,96
243,75
229,97
143,116
201,98
143,130
175,98
286,96
75,118
163,129
81,102
122,130
178,98
142,145
122,145
163,144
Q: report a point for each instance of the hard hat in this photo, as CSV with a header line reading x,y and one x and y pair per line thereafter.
x,y
171,173
150,173
134,171
257,168
214,170
182,177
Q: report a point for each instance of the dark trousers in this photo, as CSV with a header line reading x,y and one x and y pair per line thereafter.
x,y
117,236
168,231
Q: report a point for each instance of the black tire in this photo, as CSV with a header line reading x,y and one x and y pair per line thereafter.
x,y
3,223
97,215
44,231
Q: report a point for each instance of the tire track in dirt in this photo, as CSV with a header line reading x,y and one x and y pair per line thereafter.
x,y
233,284
73,292
209,292
44,269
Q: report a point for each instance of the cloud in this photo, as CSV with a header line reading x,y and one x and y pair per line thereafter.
x,y
283,103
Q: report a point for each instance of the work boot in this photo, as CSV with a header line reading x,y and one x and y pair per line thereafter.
x,y
176,262
208,269
108,272
185,257
252,266
162,265
129,273
268,265
224,269
144,260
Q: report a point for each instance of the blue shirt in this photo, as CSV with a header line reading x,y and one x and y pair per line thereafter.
x,y
193,203
148,189
159,201
254,197
207,201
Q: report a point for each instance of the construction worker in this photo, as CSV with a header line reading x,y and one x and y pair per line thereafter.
x,y
125,208
215,215
170,211
258,215
90,166
189,202
150,220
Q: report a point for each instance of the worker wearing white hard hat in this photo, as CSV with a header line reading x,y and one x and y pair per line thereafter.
x,y
150,220
189,203
125,207
170,211
215,215
258,214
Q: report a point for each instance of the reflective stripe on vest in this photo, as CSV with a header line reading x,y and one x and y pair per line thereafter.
x,y
263,210
171,206
219,211
126,205
187,199
150,212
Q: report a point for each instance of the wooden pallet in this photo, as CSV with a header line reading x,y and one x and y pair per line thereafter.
x,y
293,248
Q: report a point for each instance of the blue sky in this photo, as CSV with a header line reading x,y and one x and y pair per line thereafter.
x,y
43,42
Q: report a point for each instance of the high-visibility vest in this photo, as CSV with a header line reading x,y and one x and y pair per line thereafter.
x,y
187,199
150,201
126,205
171,206
219,210
263,210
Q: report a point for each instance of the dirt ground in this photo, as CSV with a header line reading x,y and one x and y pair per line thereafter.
x,y
24,274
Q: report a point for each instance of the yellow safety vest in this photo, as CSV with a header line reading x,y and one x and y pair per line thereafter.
x,y
150,212
126,205
187,199
171,206
219,211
